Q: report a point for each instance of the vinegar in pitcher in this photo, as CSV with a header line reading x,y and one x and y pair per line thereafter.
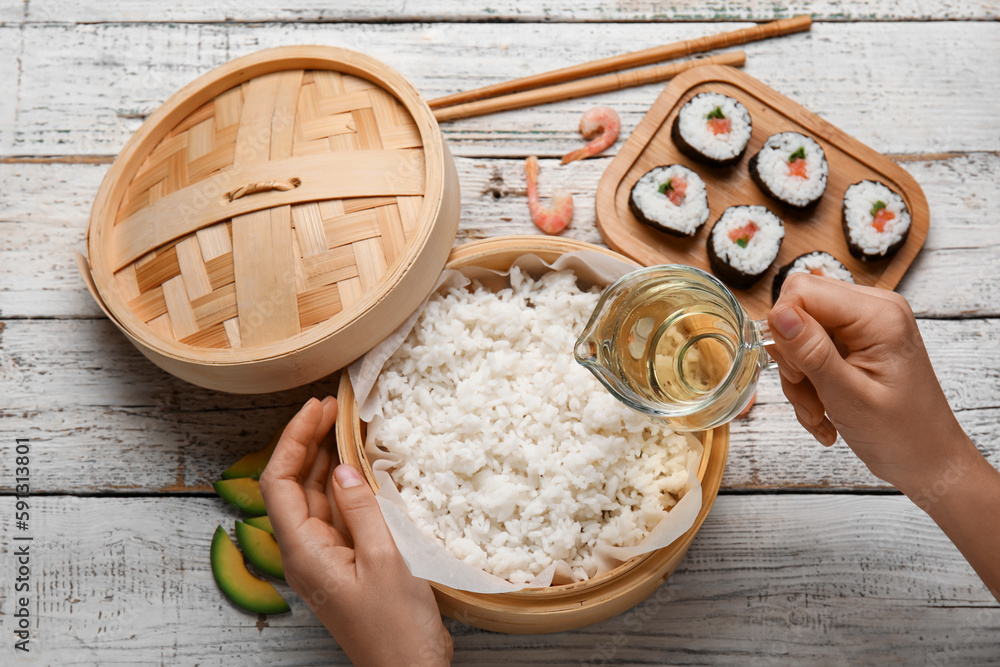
x,y
674,342
671,345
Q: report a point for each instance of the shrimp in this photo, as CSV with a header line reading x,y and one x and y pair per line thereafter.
x,y
553,219
602,125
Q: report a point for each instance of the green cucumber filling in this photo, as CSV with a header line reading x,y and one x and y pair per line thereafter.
x,y
716,113
798,155
878,206
666,187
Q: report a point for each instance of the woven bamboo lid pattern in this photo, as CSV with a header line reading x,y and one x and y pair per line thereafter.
x,y
269,206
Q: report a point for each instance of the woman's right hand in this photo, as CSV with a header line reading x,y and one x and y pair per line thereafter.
x,y
852,361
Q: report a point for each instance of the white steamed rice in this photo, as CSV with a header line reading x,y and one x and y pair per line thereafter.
x,y
772,168
513,455
858,202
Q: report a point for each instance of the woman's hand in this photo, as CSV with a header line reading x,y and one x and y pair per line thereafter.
x,y
338,553
852,361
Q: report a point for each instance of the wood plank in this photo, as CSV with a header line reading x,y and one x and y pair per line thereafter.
x,y
10,46
155,433
786,579
853,75
116,422
496,10
11,13
46,207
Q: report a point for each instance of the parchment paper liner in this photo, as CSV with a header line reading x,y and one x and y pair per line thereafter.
x,y
425,558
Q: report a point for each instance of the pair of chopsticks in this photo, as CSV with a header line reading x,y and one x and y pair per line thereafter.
x,y
570,82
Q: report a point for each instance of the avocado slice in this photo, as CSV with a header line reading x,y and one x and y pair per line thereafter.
x,y
262,522
253,464
244,493
260,549
244,589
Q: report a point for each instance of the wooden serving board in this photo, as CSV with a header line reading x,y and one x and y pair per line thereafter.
x,y
818,228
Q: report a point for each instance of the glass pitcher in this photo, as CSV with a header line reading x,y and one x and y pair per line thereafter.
x,y
673,342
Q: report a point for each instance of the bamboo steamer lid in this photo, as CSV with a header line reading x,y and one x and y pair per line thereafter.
x,y
274,219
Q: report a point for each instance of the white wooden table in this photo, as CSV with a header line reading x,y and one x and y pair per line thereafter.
x,y
805,559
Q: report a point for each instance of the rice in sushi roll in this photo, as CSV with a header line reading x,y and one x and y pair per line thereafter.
x,y
744,243
876,221
791,168
712,128
672,199
818,263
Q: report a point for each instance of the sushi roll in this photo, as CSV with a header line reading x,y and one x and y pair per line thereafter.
x,y
671,199
876,221
712,128
744,243
791,168
818,263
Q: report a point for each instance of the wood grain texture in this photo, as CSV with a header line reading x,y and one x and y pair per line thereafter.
x,y
854,75
45,208
10,75
769,580
113,422
52,11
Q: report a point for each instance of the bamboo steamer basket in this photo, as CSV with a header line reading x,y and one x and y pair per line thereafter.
x,y
563,607
274,219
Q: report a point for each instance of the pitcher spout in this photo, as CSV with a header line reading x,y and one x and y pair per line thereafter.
x,y
585,351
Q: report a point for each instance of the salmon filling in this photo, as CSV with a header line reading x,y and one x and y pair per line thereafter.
x,y
881,216
718,123
797,164
741,235
674,189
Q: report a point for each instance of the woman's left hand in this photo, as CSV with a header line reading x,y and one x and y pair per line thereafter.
x,y
338,553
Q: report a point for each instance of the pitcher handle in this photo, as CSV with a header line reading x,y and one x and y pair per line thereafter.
x,y
765,339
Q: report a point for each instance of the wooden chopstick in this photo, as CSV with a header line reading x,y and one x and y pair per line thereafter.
x,y
600,84
649,56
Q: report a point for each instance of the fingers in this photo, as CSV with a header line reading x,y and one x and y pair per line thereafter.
x,y
846,311
802,395
336,519
809,410
806,347
787,371
825,433
326,423
834,303
362,516
319,507
284,497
